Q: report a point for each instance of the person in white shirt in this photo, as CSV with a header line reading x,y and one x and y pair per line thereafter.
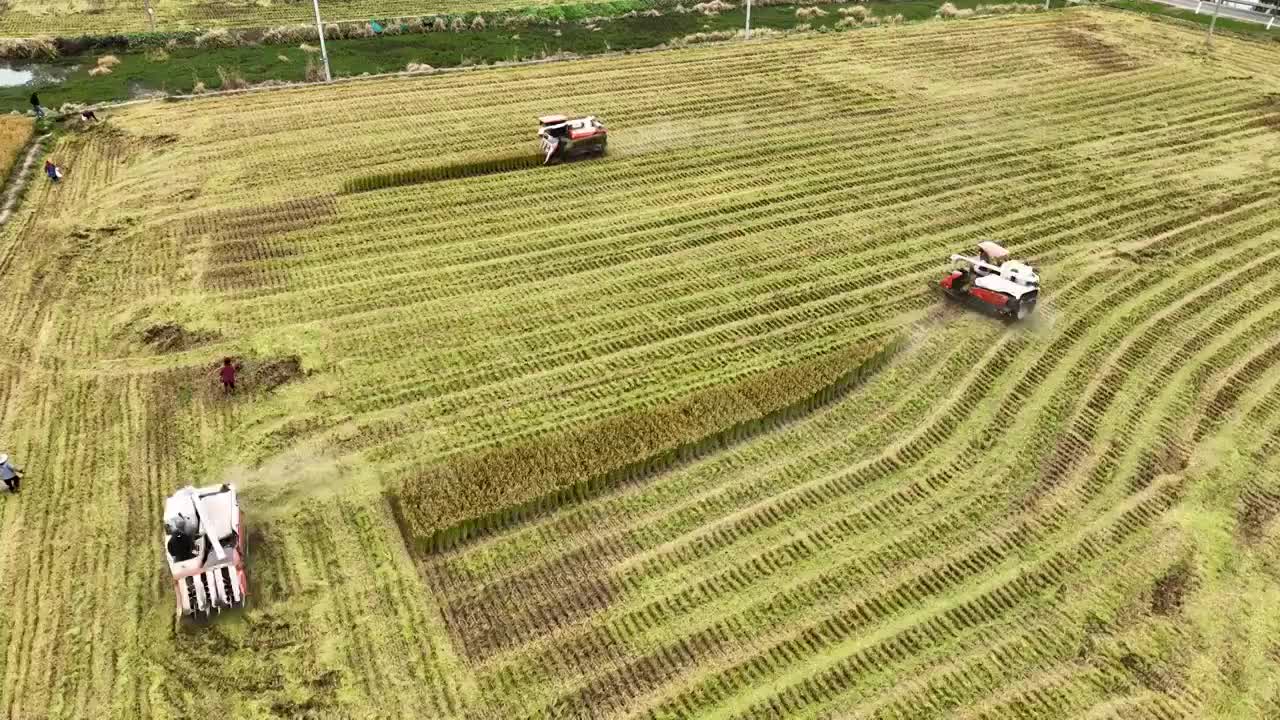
x,y
10,474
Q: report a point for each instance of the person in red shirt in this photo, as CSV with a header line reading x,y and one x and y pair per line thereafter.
x,y
228,374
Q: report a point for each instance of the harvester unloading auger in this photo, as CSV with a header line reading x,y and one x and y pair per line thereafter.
x,y
205,547
563,138
1006,286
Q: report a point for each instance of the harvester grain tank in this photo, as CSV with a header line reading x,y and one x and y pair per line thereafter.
x,y
205,547
1007,286
563,138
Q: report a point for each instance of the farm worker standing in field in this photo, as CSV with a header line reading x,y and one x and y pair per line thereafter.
x,y
52,171
88,115
228,374
9,473
35,105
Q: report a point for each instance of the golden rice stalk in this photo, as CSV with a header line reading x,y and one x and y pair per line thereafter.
x,y
472,494
15,133
218,38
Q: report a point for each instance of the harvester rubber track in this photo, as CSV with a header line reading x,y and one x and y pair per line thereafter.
x,y
228,595
208,593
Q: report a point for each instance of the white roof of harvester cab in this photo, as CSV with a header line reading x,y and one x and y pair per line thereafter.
x,y
553,119
1002,285
221,511
993,251
1015,270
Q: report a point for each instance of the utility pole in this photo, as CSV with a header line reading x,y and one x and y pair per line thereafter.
x,y
320,33
1208,39
748,19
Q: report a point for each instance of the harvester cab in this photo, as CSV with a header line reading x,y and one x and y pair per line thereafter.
x,y
205,547
1009,287
991,253
563,138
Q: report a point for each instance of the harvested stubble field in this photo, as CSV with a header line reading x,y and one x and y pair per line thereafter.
x,y
1073,518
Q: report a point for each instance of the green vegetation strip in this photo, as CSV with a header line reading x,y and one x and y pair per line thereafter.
x,y
449,503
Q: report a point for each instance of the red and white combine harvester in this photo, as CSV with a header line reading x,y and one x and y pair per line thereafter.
x,y
563,138
205,546
1009,287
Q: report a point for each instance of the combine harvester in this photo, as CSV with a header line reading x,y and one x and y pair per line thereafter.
x,y
563,138
205,547
1006,286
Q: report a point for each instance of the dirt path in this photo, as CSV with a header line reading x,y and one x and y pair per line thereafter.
x,y
14,190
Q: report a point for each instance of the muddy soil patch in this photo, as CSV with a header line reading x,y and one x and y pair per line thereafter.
x,y
1101,55
1142,670
240,278
1258,507
1224,401
488,620
241,240
254,376
1170,591
172,337
159,141
1153,462
263,221
1268,109
269,374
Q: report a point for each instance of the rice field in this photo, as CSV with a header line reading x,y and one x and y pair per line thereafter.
x,y
680,432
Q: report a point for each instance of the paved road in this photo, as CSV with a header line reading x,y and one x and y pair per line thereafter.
x,y
1229,12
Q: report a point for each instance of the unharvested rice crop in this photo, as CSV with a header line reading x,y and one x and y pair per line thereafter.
x,y
857,13
679,432
217,38
15,133
949,10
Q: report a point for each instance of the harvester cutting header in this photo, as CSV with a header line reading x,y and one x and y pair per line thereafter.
x,y
1009,287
